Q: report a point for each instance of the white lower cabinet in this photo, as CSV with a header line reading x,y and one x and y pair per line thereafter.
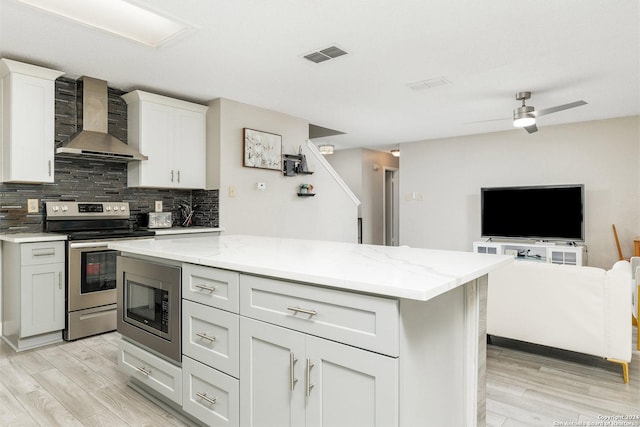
x,y
33,312
294,379
150,370
209,395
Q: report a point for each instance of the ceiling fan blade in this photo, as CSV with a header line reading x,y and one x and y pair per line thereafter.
x,y
531,129
557,108
490,120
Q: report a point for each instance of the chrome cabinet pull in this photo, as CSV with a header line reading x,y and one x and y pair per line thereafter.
x,y
144,370
308,375
203,396
171,175
59,279
178,177
204,335
292,375
43,252
49,167
308,311
206,288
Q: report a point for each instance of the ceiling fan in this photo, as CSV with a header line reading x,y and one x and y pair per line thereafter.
x,y
525,116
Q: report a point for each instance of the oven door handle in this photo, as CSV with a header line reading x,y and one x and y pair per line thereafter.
x,y
79,245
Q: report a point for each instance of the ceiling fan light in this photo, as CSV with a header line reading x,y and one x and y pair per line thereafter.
x,y
525,121
325,149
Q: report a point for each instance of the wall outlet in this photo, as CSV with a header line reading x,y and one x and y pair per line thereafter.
x,y
158,205
32,206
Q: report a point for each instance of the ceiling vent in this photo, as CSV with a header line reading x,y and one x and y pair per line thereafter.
x,y
325,54
429,83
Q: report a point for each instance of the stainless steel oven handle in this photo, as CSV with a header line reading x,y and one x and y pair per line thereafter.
x,y
97,245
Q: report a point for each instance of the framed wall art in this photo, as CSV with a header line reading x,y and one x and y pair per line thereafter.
x,y
262,150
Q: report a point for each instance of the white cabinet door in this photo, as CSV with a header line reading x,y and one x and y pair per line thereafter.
x,y
42,299
349,387
293,379
272,375
156,132
27,122
172,134
189,149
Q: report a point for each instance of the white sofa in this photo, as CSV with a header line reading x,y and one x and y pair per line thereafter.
x,y
581,309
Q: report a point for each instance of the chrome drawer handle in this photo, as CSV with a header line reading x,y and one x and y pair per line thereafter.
x,y
203,396
205,336
144,370
308,311
206,288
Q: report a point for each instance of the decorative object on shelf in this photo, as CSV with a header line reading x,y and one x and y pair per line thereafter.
x,y
262,150
326,149
306,190
296,164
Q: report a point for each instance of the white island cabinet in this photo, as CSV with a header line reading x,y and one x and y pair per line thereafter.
x,y
306,333
27,122
171,133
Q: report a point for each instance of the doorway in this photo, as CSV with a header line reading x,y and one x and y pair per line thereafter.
x,y
391,202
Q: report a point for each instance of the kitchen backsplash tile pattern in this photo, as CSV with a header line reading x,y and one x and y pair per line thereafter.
x,y
94,180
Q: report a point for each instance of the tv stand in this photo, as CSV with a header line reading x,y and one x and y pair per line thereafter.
x,y
551,252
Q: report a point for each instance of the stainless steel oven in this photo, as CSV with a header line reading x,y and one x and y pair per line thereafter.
x,y
149,305
91,266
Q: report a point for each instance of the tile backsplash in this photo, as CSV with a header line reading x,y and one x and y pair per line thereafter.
x,y
94,180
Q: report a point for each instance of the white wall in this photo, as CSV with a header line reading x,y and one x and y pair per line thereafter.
x,y
447,175
276,211
355,166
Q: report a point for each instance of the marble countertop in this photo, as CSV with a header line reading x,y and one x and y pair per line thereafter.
x,y
31,237
403,272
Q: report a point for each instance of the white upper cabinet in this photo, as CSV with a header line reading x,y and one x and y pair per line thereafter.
x,y
172,134
27,125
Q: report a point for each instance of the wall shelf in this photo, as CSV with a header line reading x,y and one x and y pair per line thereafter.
x,y
306,194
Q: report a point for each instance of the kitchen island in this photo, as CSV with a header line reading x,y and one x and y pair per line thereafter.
x,y
369,335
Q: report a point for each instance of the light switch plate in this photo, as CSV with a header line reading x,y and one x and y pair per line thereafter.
x,y
158,205
32,205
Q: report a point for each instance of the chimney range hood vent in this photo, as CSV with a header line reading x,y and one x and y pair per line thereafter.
x,y
93,141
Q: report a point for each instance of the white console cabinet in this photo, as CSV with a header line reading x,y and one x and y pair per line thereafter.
x,y
536,252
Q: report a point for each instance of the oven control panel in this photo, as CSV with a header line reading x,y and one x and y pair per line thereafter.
x,y
68,210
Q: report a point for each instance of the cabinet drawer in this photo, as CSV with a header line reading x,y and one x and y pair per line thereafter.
x,y
211,336
363,321
150,370
41,253
210,396
210,286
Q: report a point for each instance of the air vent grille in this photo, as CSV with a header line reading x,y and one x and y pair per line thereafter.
x,y
326,54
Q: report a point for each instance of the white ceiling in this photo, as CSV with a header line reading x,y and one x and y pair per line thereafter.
x,y
251,51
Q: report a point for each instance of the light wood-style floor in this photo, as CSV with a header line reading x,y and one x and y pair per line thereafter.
x,y
78,384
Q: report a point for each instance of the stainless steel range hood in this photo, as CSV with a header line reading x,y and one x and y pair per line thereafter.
x,y
93,140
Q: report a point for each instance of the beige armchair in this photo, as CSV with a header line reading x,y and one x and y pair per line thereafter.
x,y
635,273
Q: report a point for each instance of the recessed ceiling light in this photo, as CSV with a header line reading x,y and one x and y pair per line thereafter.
x,y
429,83
118,17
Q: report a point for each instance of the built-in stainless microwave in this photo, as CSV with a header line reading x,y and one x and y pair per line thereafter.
x,y
149,305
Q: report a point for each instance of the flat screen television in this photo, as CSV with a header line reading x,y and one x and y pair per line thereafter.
x,y
551,212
